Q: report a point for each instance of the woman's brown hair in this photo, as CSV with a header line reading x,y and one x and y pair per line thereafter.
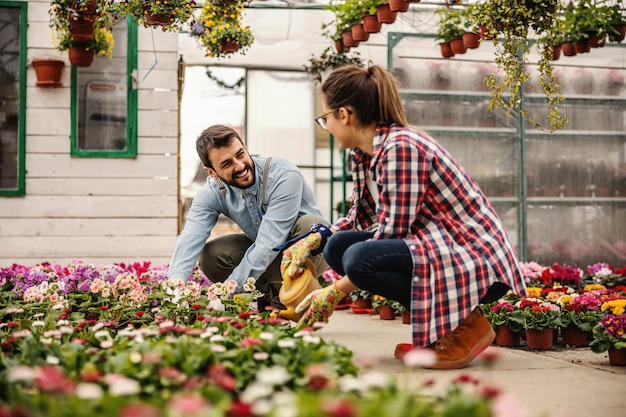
x,y
371,93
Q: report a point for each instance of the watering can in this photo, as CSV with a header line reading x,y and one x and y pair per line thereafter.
x,y
295,289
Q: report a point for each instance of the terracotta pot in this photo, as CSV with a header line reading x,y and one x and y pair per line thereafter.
x,y
398,5
457,46
89,7
484,33
348,41
406,317
446,50
157,19
540,339
229,46
556,52
80,57
573,336
362,303
344,304
82,29
384,13
359,33
617,356
596,42
371,24
568,48
582,46
339,46
507,337
48,72
471,40
619,33
386,313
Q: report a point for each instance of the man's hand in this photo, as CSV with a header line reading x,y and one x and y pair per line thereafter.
x,y
319,305
295,255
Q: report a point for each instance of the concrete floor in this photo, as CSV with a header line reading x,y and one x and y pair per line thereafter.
x,y
563,382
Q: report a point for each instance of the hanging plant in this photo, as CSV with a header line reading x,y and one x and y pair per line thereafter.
x,y
511,25
169,15
330,60
219,28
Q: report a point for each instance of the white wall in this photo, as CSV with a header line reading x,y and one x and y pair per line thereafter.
x,y
100,210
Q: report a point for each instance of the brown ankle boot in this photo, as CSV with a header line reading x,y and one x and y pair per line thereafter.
x,y
459,347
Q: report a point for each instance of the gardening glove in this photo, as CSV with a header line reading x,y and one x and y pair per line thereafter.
x,y
301,247
319,305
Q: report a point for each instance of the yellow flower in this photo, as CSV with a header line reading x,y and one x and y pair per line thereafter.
x,y
594,287
617,307
534,292
566,299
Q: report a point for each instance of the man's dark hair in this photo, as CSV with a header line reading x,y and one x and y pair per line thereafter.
x,y
214,137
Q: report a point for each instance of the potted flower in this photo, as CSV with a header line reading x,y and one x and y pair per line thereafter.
x,y
539,322
578,317
450,31
507,320
361,301
610,335
219,29
170,15
82,54
387,309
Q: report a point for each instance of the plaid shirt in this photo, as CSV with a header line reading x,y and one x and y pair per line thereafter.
x,y
457,241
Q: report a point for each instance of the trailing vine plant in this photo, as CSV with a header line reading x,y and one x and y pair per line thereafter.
x,y
512,23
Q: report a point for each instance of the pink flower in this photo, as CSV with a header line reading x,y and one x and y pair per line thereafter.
x,y
139,410
188,404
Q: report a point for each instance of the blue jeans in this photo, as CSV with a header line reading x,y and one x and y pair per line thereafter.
x,y
382,267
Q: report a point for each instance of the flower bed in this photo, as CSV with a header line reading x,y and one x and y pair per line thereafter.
x,y
124,340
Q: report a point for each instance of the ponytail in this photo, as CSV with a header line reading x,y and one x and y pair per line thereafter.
x,y
371,93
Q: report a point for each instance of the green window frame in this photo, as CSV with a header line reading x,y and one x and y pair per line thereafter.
x,y
20,188
130,148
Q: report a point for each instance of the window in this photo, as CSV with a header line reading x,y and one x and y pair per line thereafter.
x,y
104,100
12,93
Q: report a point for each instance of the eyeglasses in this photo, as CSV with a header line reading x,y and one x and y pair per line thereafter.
x,y
322,120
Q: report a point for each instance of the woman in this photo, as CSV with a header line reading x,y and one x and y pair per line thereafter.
x,y
420,231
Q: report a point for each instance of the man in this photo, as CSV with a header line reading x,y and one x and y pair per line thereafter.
x,y
266,197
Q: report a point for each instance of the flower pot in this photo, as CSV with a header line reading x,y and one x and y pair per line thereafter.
x,y
582,46
484,33
371,24
556,52
362,303
339,46
617,356
406,317
359,33
471,40
229,46
384,13
48,72
506,337
539,339
457,46
348,41
573,336
618,34
446,50
568,48
345,303
80,56
386,313
398,5
596,42
82,29
157,19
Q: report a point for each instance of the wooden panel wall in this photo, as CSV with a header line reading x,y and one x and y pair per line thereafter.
x,y
100,210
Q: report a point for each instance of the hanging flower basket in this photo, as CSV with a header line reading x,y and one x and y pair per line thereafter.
x,y
157,19
398,5
48,72
371,24
230,46
82,29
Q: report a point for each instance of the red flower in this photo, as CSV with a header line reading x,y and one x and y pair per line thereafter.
x,y
139,410
240,409
140,313
339,408
104,308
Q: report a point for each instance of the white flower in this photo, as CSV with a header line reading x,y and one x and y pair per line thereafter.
x,y
52,360
106,344
376,379
217,305
124,386
309,338
266,336
217,338
88,391
419,357
218,348
21,373
276,375
260,356
167,323
102,334
254,392
286,343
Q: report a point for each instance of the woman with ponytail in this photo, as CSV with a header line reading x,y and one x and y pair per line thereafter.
x,y
420,231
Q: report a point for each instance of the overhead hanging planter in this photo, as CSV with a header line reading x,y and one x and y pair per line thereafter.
x,y
170,15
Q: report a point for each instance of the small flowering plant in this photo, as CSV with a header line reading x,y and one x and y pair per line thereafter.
x,y
219,24
504,313
582,311
379,301
609,332
607,275
538,315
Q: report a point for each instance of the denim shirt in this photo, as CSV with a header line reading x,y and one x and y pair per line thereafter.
x,y
288,197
